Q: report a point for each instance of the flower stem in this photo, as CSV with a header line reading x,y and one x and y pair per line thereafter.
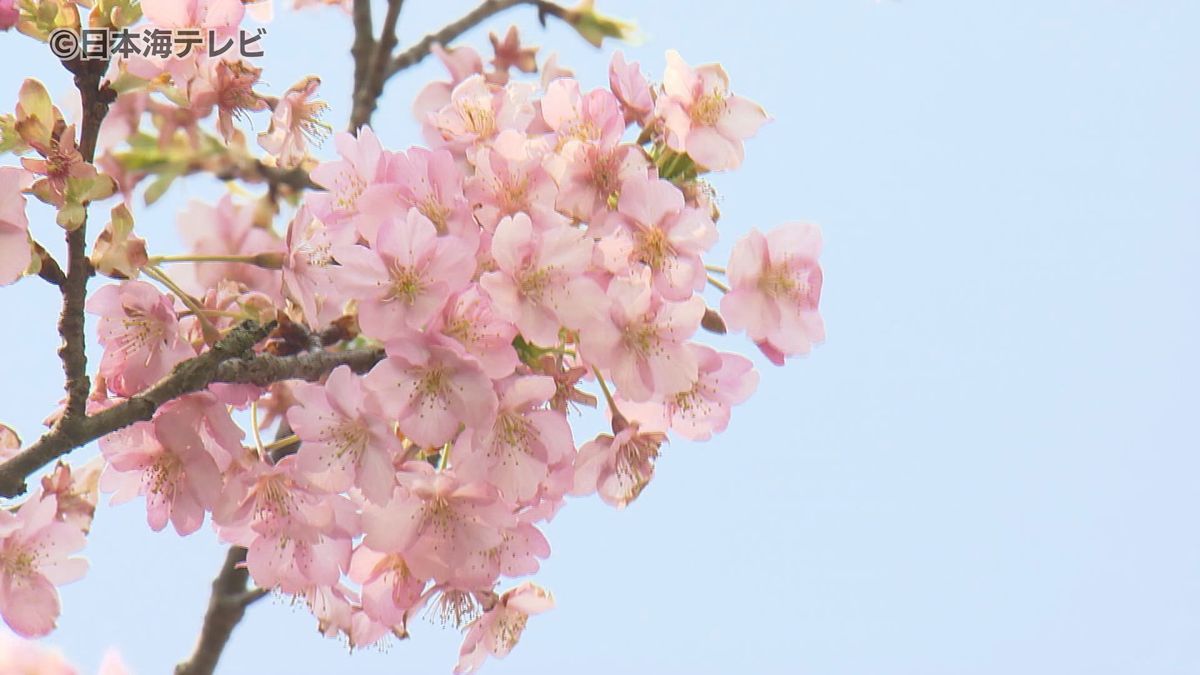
x,y
211,334
718,284
604,388
281,443
266,260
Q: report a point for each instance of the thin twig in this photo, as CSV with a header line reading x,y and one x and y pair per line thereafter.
x,y
485,10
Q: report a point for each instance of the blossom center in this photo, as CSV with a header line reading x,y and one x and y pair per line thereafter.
x,y
709,108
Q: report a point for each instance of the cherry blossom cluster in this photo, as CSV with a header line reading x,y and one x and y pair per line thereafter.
x,y
543,252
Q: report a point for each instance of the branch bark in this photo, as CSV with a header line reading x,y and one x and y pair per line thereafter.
x,y
70,433
485,10
226,607
362,51
94,100
367,99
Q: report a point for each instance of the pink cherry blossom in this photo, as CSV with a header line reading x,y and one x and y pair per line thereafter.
x,y
662,234
28,657
227,229
429,181
339,615
389,588
498,630
618,467
220,16
76,490
297,537
8,14
296,124
462,62
408,276
15,252
34,558
175,461
308,271
362,164
473,322
510,179
592,179
629,85
140,334
345,440
445,527
723,380
524,442
595,117
228,86
541,278
776,290
642,341
429,387
701,116
477,112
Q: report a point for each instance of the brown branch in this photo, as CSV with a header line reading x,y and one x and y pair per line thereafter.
x,y
70,433
279,181
228,361
265,369
94,100
226,607
49,269
367,100
485,10
361,50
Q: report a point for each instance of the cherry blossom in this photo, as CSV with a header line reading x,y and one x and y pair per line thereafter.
x,y
517,452
34,558
228,229
619,466
423,331
345,440
296,124
498,630
445,527
8,14
14,238
407,278
723,380
139,330
642,341
776,284
541,281
701,116
429,387
662,234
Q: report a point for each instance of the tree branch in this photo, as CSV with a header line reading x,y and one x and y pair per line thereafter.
x,y
265,369
70,433
228,361
226,607
361,50
366,101
416,53
94,100
50,270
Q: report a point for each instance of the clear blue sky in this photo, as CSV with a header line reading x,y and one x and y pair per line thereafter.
x,y
990,468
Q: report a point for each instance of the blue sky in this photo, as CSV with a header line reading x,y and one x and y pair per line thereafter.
x,y
990,467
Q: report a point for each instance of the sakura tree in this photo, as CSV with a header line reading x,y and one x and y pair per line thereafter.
x,y
367,373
